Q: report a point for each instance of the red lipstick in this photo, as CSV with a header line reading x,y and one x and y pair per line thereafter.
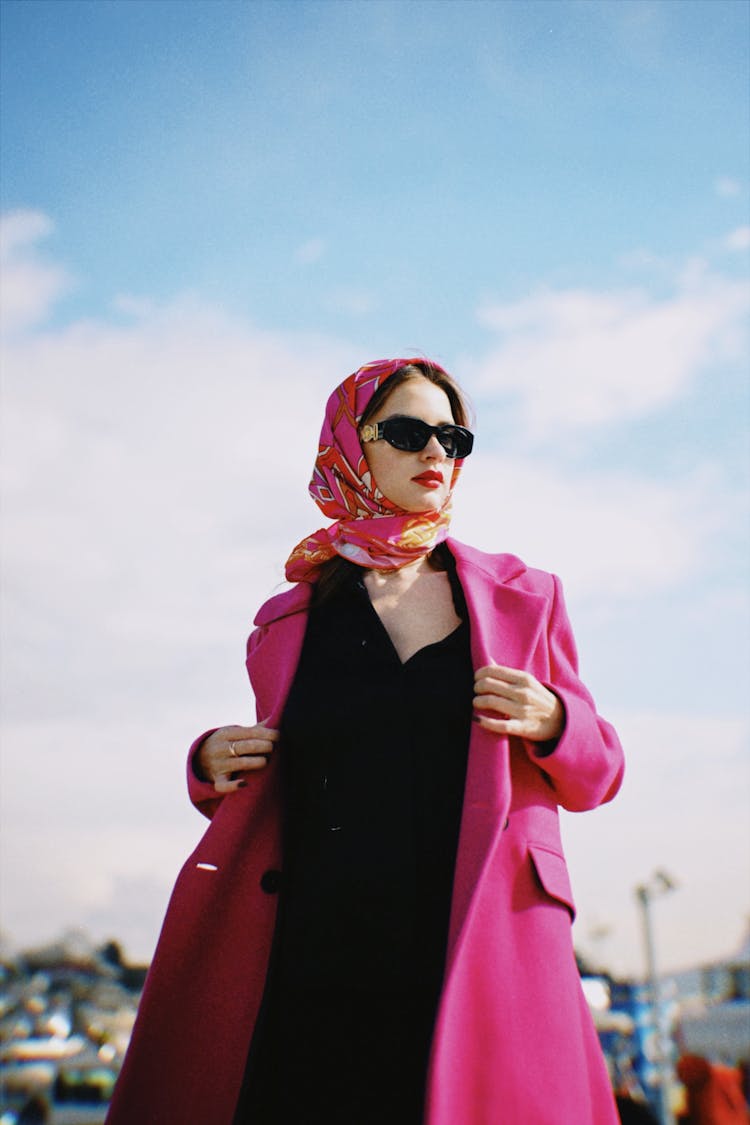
x,y
429,479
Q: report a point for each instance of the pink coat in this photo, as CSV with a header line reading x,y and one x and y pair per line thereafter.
x,y
514,1043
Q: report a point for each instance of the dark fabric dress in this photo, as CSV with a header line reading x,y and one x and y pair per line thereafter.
x,y
374,754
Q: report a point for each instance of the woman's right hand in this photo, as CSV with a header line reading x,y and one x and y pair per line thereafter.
x,y
230,752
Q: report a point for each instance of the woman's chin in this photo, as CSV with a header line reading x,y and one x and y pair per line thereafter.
x,y
423,509
426,503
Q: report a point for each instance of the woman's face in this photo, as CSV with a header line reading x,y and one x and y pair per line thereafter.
x,y
415,482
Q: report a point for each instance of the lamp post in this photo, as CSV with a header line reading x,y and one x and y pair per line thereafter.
x,y
659,884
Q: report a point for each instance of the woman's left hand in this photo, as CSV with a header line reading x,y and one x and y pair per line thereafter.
x,y
520,705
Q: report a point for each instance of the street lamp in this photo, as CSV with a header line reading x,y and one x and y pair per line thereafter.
x,y
660,883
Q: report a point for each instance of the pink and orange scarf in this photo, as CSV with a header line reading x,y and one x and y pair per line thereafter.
x,y
368,530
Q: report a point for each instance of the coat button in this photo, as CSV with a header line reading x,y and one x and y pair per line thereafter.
x,y
270,882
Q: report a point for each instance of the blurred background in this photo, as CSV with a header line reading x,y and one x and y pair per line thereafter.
x,y
212,213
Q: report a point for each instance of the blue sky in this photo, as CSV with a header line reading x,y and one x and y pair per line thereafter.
x,y
489,145
212,212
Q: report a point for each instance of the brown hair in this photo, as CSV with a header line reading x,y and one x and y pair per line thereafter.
x,y
421,369
332,574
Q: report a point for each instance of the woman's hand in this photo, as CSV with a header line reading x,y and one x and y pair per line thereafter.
x,y
230,752
522,706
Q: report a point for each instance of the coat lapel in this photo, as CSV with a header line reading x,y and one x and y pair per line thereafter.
x,y
506,623
274,653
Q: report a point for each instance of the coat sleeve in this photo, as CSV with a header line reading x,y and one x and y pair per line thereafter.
x,y
586,766
202,793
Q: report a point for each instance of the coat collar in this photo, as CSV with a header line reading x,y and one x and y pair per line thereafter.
x,y
506,619
496,568
294,600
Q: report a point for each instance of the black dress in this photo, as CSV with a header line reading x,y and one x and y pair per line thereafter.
x,y
374,760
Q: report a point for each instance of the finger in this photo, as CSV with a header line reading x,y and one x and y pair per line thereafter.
x,y
225,784
518,728
502,672
241,734
504,697
502,726
489,686
256,744
242,747
240,765
271,730
225,766
504,706
254,757
231,776
259,732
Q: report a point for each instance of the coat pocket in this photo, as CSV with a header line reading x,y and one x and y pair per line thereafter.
x,y
552,872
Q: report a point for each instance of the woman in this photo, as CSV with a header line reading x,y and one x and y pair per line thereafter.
x,y
421,719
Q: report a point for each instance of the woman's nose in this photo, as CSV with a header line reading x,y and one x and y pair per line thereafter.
x,y
433,451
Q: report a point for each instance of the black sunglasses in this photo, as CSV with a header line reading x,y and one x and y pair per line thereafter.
x,y
412,435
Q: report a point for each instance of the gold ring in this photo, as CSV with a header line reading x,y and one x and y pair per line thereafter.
x,y
232,750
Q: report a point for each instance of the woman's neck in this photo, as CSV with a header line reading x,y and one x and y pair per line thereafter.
x,y
415,604
398,576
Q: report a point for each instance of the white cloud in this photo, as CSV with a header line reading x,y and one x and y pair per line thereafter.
x,y
574,360
352,302
21,229
644,259
310,251
611,536
738,240
155,479
29,287
727,187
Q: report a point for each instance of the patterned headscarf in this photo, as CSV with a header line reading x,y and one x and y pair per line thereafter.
x,y
369,530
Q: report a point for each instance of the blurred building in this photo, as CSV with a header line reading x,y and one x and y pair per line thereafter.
x,y
704,1011
67,1010
66,1014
